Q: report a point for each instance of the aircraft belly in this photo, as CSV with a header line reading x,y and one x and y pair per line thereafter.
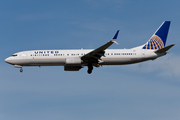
x,y
43,62
121,61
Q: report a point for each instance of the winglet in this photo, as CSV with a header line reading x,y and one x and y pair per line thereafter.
x,y
115,37
99,52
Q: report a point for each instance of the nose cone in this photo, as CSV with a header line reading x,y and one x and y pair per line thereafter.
x,y
7,60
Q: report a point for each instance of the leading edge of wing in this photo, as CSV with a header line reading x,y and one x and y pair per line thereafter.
x,y
101,49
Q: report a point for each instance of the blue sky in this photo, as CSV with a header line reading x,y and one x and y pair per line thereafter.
x,y
148,90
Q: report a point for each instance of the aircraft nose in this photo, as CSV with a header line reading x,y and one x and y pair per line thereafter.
x,y
7,60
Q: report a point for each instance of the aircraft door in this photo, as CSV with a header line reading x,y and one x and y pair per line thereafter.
x,y
143,53
24,56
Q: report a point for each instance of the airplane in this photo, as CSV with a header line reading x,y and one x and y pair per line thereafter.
x,y
74,60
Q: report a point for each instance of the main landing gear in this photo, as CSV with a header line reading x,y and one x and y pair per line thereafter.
x,y
90,68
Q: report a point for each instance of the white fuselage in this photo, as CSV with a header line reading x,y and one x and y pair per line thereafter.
x,y
74,60
58,57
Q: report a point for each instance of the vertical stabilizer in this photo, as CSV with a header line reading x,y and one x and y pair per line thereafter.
x,y
158,40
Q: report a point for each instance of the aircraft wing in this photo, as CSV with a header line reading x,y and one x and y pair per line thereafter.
x,y
95,55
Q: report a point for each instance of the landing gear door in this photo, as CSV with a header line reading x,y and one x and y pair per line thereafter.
x,y
24,59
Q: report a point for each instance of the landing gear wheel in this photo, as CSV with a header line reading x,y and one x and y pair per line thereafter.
x,y
89,71
90,68
21,70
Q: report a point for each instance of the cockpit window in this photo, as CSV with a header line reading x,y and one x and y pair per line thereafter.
x,y
14,55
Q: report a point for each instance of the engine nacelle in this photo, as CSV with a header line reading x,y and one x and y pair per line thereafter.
x,y
73,61
72,68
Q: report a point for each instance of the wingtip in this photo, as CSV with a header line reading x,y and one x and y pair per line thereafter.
x,y
115,36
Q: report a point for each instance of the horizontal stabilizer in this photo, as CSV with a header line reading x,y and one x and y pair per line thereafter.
x,y
164,49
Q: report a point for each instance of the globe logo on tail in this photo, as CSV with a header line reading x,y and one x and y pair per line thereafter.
x,y
154,43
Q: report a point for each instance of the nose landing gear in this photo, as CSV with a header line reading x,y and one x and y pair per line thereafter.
x,y
19,66
21,70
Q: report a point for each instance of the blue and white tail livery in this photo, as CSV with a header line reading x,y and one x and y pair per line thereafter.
x,y
74,60
158,40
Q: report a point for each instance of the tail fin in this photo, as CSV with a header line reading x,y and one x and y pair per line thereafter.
x,y
158,40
